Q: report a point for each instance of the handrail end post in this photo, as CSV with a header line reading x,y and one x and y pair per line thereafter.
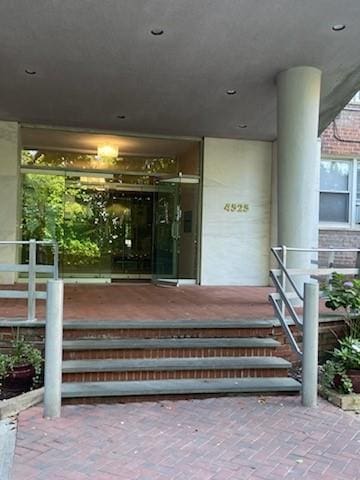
x,y
310,345
53,348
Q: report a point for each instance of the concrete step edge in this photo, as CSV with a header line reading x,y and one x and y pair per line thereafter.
x,y
148,324
170,324
168,364
150,343
170,387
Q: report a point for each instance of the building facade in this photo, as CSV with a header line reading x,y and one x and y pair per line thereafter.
x,y
164,146
340,182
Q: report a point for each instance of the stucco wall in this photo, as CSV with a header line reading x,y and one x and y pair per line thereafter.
x,y
235,245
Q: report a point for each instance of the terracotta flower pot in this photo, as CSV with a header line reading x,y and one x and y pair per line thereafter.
x,y
20,379
354,376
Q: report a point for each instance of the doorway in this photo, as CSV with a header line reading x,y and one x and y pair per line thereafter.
x,y
116,216
175,230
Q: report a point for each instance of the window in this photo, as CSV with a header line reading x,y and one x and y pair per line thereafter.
x,y
340,192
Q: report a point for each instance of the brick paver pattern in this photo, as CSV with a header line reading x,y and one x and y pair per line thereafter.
x,y
150,302
230,438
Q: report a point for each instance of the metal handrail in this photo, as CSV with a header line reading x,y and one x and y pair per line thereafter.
x,y
281,300
285,271
32,268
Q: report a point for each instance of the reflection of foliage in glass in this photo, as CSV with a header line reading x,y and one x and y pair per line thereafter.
x,y
80,252
43,208
54,210
82,161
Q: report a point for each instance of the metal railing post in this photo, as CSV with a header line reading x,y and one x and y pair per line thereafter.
x,y
283,278
56,261
32,280
53,348
310,344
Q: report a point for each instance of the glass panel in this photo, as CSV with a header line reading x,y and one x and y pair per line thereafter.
x,y
82,161
189,200
334,207
86,249
42,212
334,175
166,231
130,220
189,160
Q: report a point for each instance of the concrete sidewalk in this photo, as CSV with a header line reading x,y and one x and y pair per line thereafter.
x,y
231,438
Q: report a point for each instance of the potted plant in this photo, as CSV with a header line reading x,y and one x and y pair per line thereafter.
x,y
20,369
342,371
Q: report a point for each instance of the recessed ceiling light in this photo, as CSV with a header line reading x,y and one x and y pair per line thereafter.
x,y
29,71
231,92
121,117
338,28
157,31
242,125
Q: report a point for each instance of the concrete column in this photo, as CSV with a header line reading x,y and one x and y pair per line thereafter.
x,y
9,193
310,345
298,159
53,348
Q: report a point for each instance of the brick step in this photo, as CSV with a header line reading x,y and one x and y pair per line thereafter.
x,y
148,328
167,329
173,374
101,390
167,352
172,368
154,348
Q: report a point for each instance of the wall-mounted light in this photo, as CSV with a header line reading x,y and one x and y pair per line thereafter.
x,y
107,151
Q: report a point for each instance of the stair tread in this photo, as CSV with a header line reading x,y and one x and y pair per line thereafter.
x,y
169,324
133,343
163,387
191,363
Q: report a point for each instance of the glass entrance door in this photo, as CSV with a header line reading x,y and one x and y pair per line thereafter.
x,y
167,215
176,230
111,223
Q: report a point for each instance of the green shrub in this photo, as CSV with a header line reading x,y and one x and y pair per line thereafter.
x,y
343,294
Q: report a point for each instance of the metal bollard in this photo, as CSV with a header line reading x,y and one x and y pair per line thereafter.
x,y
32,281
310,345
53,348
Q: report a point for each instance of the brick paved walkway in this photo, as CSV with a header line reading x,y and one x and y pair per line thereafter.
x,y
235,438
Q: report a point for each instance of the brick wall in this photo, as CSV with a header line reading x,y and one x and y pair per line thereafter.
x,y
339,239
342,139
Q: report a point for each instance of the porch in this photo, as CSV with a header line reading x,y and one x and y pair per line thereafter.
x,y
120,302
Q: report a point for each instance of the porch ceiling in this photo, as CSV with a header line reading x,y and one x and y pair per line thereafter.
x,y
95,60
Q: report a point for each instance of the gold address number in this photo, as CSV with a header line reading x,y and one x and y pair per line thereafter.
x,y
236,207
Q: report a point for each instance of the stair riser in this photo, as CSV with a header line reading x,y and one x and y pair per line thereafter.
x,y
167,333
167,353
173,374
